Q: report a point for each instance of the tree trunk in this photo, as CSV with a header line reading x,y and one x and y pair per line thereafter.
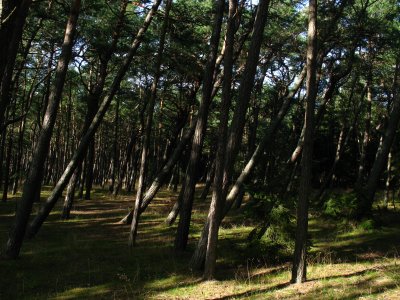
x,y
246,86
236,130
7,166
129,150
173,214
342,142
300,252
366,136
12,21
366,195
86,139
33,182
148,129
182,233
115,157
387,182
163,174
69,197
214,214
197,260
209,181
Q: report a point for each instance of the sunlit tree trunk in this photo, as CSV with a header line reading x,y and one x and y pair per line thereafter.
x,y
148,129
214,214
93,98
34,179
197,260
387,181
182,233
235,132
86,139
299,270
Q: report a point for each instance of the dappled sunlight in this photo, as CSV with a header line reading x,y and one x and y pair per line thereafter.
x,y
84,292
89,257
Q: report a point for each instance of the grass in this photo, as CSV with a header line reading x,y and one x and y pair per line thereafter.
x,y
87,257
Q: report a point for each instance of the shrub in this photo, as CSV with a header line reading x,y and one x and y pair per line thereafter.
x,y
341,205
274,237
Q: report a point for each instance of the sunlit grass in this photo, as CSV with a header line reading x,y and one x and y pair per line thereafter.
x,y
87,257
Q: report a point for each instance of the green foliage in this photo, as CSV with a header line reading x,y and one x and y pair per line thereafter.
x,y
341,205
368,224
274,237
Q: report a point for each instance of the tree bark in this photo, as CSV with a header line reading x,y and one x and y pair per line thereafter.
x,y
69,197
197,260
387,182
148,129
366,195
12,21
299,272
214,214
33,182
366,135
182,233
86,139
159,180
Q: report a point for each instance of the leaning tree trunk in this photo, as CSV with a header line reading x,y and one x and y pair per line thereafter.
x,y
245,90
366,195
92,107
69,197
387,181
182,232
300,252
87,138
33,181
197,260
214,214
148,129
163,174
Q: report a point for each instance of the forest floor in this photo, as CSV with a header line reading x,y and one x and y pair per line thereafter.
x,y
88,257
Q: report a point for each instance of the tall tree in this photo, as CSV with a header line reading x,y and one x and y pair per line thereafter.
x,y
34,179
182,233
214,214
86,139
234,136
13,14
299,271
367,193
148,127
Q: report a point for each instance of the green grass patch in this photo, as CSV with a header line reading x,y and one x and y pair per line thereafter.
x,y
87,257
